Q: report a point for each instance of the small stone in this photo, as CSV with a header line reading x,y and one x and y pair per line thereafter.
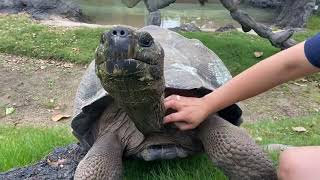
x,y
68,65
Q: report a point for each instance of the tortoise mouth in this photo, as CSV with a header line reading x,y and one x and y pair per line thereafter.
x,y
124,67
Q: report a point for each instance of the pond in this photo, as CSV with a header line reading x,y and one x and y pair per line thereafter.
x,y
210,16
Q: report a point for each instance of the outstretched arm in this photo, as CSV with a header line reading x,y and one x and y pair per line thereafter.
x,y
279,68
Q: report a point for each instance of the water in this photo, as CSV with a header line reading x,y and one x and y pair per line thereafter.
x,y
211,16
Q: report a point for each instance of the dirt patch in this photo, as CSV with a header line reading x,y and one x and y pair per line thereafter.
x,y
293,99
63,22
39,89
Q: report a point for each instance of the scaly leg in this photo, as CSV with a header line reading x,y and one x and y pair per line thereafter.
x,y
103,161
232,150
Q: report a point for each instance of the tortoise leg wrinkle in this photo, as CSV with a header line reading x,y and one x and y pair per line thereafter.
x,y
103,161
232,150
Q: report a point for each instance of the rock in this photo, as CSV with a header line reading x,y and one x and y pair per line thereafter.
x,y
228,27
188,27
295,13
44,9
59,164
292,13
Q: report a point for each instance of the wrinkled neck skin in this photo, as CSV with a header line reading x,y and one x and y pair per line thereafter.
x,y
141,99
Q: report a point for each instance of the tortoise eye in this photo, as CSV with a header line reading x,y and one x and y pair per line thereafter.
x,y
145,40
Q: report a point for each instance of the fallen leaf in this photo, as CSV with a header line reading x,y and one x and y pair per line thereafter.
x,y
76,50
9,110
299,129
59,117
258,54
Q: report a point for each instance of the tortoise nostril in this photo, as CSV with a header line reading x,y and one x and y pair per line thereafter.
x,y
119,32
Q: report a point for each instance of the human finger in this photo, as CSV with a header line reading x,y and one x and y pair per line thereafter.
x,y
184,126
174,117
172,104
172,97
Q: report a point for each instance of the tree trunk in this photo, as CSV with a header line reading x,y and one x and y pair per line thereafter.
x,y
295,13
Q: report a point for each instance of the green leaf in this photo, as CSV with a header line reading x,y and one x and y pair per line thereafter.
x,y
9,110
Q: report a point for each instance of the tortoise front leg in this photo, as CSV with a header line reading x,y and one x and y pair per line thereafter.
x,y
232,150
103,161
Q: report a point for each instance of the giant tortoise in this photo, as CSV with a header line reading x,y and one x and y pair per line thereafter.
x,y
119,107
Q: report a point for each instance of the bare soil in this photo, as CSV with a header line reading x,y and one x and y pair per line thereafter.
x,y
37,89
40,89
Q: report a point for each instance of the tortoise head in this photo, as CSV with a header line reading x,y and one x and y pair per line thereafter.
x,y
129,64
124,53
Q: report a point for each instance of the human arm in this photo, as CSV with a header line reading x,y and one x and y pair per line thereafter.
x,y
279,68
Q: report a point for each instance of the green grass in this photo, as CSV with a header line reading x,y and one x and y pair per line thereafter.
x,y
281,132
197,167
24,145
314,23
21,36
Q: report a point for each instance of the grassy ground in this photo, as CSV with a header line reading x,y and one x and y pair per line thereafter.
x,y
24,145
21,36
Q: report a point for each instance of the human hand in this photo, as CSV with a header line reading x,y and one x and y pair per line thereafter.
x,y
190,111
